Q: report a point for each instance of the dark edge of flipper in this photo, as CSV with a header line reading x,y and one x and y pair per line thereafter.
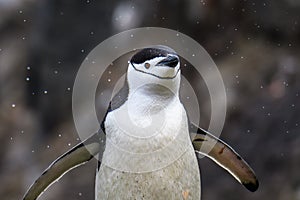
x,y
75,157
206,144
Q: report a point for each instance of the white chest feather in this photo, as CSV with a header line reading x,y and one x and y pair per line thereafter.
x,y
148,153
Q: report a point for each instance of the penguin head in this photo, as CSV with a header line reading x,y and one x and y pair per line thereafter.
x,y
155,65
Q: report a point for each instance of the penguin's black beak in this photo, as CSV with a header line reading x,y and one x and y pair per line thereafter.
x,y
170,61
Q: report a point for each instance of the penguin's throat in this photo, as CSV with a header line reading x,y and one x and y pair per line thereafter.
x,y
150,100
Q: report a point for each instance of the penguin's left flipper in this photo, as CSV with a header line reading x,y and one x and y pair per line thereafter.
x,y
75,157
206,144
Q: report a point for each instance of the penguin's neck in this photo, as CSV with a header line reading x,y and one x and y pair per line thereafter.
x,y
150,99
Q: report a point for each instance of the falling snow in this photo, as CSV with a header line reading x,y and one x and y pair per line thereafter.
x,y
254,49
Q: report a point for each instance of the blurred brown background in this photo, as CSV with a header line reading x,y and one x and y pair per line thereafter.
x,y
254,43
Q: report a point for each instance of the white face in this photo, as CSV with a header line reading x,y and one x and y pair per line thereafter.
x,y
155,67
164,70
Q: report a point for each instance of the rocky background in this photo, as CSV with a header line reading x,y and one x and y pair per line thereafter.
x,y
254,43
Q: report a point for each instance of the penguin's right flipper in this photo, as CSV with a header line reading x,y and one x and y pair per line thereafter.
x,y
221,153
78,155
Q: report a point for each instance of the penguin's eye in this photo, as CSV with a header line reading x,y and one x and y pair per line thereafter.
x,y
147,65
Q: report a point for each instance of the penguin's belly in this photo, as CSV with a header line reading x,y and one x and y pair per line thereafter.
x,y
148,153
179,180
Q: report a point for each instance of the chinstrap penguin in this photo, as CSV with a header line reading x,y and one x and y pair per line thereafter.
x,y
151,147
